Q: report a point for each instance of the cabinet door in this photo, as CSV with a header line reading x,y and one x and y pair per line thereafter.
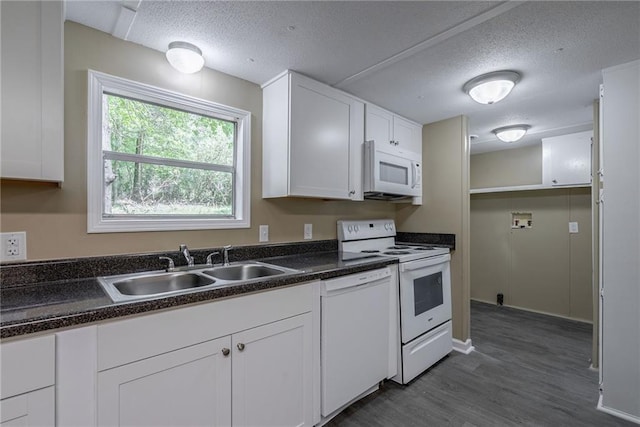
x,y
320,140
566,159
32,90
272,372
379,126
186,387
407,135
36,409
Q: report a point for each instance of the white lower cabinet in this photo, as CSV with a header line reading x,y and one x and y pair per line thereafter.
x,y
257,377
271,374
186,387
36,409
244,361
27,381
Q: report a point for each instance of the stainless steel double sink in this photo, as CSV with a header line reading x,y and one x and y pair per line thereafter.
x,y
126,287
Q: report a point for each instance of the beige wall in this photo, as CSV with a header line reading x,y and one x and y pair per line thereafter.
x,y
544,268
445,206
55,218
516,166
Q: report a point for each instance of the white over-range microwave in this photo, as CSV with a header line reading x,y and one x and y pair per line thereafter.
x,y
391,172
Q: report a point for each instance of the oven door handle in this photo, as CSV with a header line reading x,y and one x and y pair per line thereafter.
x,y
422,263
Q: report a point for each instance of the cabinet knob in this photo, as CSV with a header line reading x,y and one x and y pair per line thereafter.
x,y
225,351
240,346
392,142
352,192
555,181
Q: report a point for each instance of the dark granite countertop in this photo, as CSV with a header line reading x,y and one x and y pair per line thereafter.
x,y
41,306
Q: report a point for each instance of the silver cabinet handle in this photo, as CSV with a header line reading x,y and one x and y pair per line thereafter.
x,y
225,351
240,346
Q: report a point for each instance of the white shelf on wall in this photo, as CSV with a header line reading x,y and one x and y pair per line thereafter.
x,y
521,188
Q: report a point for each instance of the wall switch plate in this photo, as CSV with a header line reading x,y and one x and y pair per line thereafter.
x,y
573,227
13,246
264,233
308,231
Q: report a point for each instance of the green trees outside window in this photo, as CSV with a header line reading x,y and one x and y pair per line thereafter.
x,y
164,161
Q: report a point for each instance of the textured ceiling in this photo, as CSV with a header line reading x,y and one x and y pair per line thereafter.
x,y
409,57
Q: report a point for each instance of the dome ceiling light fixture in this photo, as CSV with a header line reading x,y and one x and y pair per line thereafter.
x,y
185,57
511,133
491,87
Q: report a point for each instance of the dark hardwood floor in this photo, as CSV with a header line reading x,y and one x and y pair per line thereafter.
x,y
527,369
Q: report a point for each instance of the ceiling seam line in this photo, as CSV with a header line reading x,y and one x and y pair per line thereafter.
x,y
432,41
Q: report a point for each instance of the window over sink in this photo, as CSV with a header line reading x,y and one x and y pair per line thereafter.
x,y
160,160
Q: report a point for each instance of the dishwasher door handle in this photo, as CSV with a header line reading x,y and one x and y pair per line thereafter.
x,y
350,281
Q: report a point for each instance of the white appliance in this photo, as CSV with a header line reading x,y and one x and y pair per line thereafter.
x,y
391,172
424,287
355,314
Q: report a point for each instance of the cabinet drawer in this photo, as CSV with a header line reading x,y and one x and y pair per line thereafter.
x,y
126,341
36,408
27,365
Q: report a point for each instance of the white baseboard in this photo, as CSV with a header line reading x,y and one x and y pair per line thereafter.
x,y
464,347
616,413
546,313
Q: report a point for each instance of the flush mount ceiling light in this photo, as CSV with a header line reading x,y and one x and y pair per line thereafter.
x,y
185,57
491,87
511,133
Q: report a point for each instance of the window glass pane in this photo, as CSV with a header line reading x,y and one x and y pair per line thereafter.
x,y
137,127
393,173
427,293
133,188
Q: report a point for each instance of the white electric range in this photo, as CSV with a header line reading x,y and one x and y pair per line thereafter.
x,y
424,292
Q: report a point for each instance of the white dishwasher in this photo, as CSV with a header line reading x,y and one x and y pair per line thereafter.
x,y
355,314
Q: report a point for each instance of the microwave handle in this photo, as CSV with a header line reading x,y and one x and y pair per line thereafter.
x,y
413,175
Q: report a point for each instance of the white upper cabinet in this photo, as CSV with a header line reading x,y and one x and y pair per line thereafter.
x,y
312,140
385,127
32,130
566,159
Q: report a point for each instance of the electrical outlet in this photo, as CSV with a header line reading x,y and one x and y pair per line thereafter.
x,y
13,246
308,231
264,233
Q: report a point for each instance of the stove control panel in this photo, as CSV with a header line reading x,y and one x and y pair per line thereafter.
x,y
365,229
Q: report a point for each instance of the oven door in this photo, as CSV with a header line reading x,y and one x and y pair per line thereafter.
x,y
425,295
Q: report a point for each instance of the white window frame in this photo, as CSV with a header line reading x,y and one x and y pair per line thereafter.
x,y
98,83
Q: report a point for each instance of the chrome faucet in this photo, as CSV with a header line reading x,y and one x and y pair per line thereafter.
x,y
225,254
210,258
172,266
185,251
